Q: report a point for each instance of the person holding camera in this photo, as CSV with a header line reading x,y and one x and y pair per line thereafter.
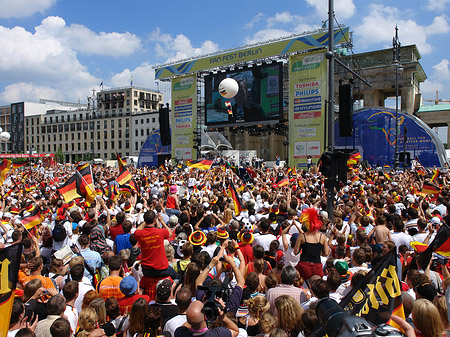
x,y
196,323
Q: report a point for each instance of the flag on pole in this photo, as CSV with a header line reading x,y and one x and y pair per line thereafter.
x,y
439,245
435,175
204,164
379,291
283,182
354,158
120,162
32,220
69,189
124,177
236,199
10,262
5,167
430,188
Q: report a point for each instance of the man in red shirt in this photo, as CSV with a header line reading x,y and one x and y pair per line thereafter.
x,y
151,240
129,287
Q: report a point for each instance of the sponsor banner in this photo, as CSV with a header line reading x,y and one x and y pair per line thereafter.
x,y
183,120
307,95
24,155
296,44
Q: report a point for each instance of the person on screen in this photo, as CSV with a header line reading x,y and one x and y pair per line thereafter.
x,y
245,108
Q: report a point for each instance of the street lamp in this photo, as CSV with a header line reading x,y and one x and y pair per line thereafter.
x,y
398,69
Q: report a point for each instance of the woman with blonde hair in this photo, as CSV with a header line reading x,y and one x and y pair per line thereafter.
x,y
426,319
441,305
87,320
267,323
98,305
250,322
227,216
289,314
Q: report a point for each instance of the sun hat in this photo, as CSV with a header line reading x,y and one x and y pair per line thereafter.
x,y
128,285
127,207
173,189
247,238
222,233
197,238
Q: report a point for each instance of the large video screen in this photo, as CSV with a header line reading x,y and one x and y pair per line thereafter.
x,y
259,98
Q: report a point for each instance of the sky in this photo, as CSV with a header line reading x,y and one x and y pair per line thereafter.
x,y
62,49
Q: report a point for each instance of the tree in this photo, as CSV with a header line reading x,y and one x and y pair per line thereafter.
x,y
59,155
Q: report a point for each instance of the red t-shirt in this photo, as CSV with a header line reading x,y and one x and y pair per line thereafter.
x,y
151,241
114,231
171,202
127,302
247,251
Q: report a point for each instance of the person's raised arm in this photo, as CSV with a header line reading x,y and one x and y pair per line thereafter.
x,y
161,221
283,236
237,273
298,245
204,274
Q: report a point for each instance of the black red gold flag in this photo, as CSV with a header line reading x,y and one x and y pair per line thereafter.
x,y
124,177
236,199
10,262
204,164
69,189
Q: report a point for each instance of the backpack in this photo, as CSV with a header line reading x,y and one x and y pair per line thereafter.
x,y
59,233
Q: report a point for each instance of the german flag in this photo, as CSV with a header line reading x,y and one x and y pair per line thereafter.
x,y
430,188
236,199
10,262
124,177
355,178
353,159
134,186
30,221
69,189
163,168
85,184
204,164
435,175
421,171
5,167
112,191
440,245
125,189
283,182
380,286
387,176
120,162
17,165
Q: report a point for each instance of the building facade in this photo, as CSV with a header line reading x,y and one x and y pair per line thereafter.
x,y
114,120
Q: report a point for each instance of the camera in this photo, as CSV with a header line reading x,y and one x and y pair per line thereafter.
x,y
337,322
212,305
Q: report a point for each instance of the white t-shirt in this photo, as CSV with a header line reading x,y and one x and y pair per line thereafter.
x,y
264,240
83,288
72,316
175,322
66,242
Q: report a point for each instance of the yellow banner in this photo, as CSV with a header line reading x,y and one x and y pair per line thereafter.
x,y
184,116
301,43
307,95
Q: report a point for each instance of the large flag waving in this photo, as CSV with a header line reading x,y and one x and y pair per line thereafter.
x,y
120,162
204,164
5,167
440,245
85,183
379,291
236,199
430,188
10,262
69,189
32,220
124,177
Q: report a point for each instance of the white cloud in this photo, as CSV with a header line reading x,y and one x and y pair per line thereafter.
x,y
379,27
266,35
441,70
343,9
437,5
17,91
257,18
143,76
23,8
179,47
439,80
283,18
82,39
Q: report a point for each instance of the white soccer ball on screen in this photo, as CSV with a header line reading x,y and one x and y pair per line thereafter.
x,y
228,87
4,136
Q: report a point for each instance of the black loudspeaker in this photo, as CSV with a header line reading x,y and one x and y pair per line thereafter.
x,y
345,110
164,129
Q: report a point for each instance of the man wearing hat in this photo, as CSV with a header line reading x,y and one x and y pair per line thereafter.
x,y
129,287
151,238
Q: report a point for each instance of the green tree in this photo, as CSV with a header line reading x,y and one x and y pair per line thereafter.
x,y
59,155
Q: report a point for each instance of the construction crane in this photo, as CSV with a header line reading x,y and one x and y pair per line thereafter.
x,y
437,100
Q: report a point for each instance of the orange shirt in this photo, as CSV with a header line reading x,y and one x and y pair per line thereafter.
x,y
46,282
23,278
109,287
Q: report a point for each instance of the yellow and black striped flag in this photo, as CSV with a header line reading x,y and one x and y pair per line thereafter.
x,y
10,262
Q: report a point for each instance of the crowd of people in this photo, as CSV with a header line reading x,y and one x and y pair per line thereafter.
x,y
176,256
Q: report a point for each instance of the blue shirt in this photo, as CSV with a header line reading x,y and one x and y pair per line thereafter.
x,y
93,260
122,241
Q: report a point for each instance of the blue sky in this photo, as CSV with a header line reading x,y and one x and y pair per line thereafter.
x,y
61,49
